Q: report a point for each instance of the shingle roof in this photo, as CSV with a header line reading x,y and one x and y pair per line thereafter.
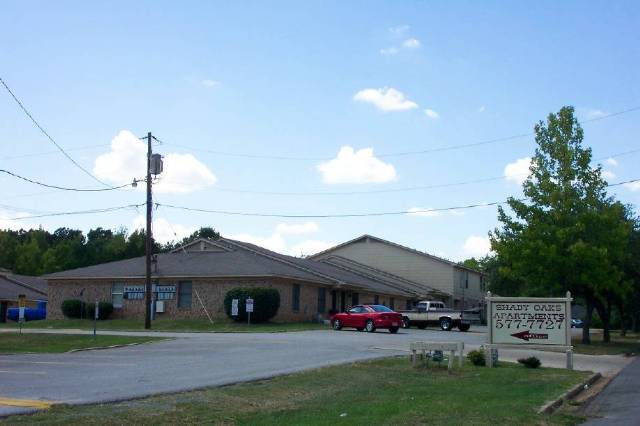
x,y
13,285
240,260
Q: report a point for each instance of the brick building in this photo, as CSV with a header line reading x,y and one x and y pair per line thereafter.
x,y
196,277
13,285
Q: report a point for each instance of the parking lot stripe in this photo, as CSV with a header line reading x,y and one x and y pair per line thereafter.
x,y
29,403
41,373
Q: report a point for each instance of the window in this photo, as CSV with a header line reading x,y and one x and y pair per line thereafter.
x,y
466,280
408,305
322,300
184,294
117,295
380,308
421,306
355,299
295,298
376,299
392,303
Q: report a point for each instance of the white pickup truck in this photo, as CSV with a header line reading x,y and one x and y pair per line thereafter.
x,y
434,313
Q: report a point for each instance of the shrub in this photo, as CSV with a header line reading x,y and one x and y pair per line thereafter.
x,y
531,362
72,308
266,302
477,358
105,309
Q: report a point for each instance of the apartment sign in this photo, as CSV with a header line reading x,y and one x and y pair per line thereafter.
x,y
529,321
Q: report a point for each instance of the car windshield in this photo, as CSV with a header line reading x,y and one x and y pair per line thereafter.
x,y
380,308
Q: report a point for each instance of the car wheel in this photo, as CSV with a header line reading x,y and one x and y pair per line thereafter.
x,y
393,330
445,324
369,326
359,328
422,326
337,324
406,323
464,327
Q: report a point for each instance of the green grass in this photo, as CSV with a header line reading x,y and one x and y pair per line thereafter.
x,y
183,325
388,392
630,344
11,343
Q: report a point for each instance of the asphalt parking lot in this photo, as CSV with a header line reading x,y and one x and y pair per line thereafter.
x,y
195,360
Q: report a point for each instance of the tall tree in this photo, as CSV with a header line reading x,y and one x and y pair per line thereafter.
x,y
566,233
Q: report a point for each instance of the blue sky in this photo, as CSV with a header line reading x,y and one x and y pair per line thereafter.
x,y
307,79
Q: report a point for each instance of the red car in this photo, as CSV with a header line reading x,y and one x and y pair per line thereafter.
x,y
368,317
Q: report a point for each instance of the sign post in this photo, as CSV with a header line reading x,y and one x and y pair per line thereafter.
x,y
22,303
249,309
96,313
530,323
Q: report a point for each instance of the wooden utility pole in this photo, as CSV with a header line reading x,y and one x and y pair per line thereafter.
x,y
148,241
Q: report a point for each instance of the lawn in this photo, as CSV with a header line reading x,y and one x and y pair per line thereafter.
x,y
54,343
185,325
630,344
387,391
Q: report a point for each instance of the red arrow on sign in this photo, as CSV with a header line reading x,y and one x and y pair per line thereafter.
x,y
526,335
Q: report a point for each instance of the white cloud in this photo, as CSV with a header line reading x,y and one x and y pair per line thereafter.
x,y
612,161
431,114
457,212
518,171
128,160
389,51
356,167
477,246
411,43
164,231
385,99
632,186
15,225
399,30
608,175
297,228
422,211
482,108
595,113
275,242
309,247
210,83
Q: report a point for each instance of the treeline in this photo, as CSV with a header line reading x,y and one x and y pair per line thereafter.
x,y
38,251
568,234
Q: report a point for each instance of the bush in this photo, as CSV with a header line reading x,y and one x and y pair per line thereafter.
x,y
477,358
72,308
266,302
105,309
531,362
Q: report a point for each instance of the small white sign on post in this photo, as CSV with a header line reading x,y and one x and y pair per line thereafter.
x,y
531,322
234,307
249,305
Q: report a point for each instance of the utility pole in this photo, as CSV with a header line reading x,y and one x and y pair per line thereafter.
x,y
149,239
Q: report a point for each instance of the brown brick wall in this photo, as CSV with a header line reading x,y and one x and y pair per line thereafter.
x,y
211,292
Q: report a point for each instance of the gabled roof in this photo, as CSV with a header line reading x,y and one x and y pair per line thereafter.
x,y
13,285
392,244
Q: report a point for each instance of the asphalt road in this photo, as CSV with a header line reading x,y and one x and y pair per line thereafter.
x,y
195,360
618,403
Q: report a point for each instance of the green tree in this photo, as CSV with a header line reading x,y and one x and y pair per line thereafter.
x,y
566,233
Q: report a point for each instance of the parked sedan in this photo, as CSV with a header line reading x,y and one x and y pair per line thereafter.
x,y
369,318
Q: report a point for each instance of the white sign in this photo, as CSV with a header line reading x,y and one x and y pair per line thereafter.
x,y
529,321
234,307
21,314
97,311
249,305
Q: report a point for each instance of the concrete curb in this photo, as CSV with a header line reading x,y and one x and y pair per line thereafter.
x,y
552,406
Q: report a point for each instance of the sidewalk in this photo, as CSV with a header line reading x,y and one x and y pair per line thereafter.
x,y
618,403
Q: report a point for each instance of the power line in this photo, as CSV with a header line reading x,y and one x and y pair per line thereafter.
x,y
345,215
78,212
391,154
44,132
62,188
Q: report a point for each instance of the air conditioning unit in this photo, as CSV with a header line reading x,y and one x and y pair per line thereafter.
x,y
160,306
